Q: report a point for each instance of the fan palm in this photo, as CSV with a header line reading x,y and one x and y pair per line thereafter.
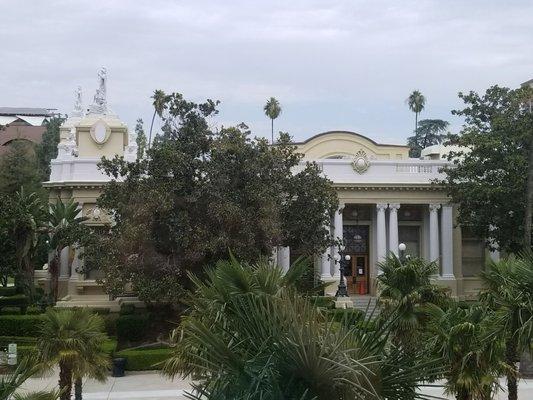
x,y
73,339
250,335
405,291
64,219
416,102
272,110
509,291
471,352
10,382
160,99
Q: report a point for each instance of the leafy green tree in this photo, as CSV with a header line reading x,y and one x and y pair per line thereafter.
x,y
473,356
509,291
160,104
272,110
73,340
488,177
416,103
429,133
201,193
24,218
47,149
405,292
65,229
141,138
19,168
250,335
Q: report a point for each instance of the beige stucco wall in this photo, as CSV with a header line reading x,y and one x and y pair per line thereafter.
x,y
329,144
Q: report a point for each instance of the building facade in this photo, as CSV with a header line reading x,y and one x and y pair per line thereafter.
x,y
385,199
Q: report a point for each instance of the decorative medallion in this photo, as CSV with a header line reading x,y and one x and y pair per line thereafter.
x,y
100,132
360,162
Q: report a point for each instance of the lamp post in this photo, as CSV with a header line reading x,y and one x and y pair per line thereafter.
x,y
402,247
342,259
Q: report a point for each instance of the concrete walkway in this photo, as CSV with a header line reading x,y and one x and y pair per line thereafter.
x,y
150,385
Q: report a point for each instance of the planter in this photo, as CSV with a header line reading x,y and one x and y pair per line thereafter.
x,y
119,364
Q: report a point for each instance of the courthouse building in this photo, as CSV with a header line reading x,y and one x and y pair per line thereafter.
x,y
386,198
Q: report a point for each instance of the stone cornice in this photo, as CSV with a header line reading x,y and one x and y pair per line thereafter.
x,y
74,185
392,187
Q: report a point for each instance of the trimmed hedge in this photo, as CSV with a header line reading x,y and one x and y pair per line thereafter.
x,y
8,290
19,340
109,346
20,325
144,360
18,300
127,309
323,301
132,327
347,316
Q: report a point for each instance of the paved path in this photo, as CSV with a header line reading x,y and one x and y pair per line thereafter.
x,y
152,386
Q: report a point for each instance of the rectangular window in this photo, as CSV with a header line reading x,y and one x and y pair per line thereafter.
x,y
410,235
473,251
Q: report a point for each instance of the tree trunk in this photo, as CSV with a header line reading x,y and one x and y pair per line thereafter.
x,y
78,385
510,359
65,380
416,123
272,129
55,264
151,126
529,199
28,272
463,394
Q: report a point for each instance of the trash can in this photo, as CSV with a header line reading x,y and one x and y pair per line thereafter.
x,y
118,367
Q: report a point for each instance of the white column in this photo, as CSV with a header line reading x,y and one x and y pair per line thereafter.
x,y
64,271
446,226
325,265
284,258
338,234
381,234
434,232
393,228
274,256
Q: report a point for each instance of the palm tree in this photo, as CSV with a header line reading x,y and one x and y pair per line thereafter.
x,y
64,228
25,369
272,110
73,339
160,99
472,354
416,102
509,291
251,335
405,293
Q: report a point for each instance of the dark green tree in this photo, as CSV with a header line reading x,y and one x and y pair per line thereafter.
x,y
200,193
488,177
429,132
141,138
19,168
47,149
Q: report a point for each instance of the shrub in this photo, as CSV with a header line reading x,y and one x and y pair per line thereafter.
x,y
127,309
132,327
348,316
19,340
18,300
110,322
143,360
20,325
8,291
109,346
323,301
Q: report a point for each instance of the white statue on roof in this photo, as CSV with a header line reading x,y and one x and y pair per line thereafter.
x,y
78,107
99,105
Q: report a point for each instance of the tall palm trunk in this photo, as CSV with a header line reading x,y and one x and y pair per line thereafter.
x,y
65,380
529,199
28,285
272,128
511,356
78,386
463,395
416,123
151,127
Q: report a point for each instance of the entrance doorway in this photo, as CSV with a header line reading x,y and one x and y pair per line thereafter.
x,y
356,242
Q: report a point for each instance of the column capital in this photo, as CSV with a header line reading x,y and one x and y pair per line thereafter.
x,y
341,207
381,206
434,207
394,206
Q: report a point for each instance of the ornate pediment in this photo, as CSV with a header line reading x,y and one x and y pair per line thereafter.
x,y
360,162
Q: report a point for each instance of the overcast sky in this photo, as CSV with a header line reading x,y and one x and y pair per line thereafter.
x,y
332,64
